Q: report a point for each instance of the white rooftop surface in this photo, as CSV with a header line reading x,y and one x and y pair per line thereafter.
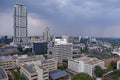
x,y
88,60
38,62
60,41
118,53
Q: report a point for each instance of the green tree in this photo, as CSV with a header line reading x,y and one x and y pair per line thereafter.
x,y
82,76
98,71
62,67
17,75
113,64
116,73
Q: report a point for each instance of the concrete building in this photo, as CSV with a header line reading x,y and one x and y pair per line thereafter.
x,y
49,64
8,50
118,64
3,74
60,50
107,62
41,67
85,64
7,62
20,25
35,39
46,34
28,72
25,58
39,48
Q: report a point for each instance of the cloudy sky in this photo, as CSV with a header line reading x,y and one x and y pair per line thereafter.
x,y
100,18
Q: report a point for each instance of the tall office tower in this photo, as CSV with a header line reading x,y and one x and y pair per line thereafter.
x,y
20,24
46,34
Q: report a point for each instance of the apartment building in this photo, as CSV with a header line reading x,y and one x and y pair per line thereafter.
x,y
7,62
85,64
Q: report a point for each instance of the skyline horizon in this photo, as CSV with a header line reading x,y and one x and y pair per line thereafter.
x,y
61,21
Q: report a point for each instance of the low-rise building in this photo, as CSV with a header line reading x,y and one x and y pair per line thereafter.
x,y
28,72
3,74
25,58
107,62
85,64
41,67
8,50
7,62
118,64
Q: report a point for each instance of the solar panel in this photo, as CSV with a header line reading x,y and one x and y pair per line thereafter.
x,y
29,69
2,74
58,74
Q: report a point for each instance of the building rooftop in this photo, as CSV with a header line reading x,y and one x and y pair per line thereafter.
x,y
58,74
2,74
29,69
47,61
88,60
6,58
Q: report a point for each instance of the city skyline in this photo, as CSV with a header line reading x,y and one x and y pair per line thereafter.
x,y
76,18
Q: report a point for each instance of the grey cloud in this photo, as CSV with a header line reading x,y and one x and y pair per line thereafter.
x,y
72,17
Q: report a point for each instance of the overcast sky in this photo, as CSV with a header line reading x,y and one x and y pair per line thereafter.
x,y
100,18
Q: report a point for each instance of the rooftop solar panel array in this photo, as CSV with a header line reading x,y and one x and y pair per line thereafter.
x,y
57,74
29,69
2,74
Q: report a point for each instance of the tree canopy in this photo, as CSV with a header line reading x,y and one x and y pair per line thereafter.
x,y
82,76
98,71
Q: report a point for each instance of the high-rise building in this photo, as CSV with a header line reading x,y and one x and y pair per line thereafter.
x,y
20,25
46,34
60,50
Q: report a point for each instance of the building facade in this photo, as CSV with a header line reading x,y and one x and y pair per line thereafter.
x,y
118,64
28,72
85,64
60,50
46,34
7,62
20,25
39,48
41,67
25,58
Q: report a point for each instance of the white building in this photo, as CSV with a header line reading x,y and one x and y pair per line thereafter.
x,y
85,64
118,64
60,50
116,51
